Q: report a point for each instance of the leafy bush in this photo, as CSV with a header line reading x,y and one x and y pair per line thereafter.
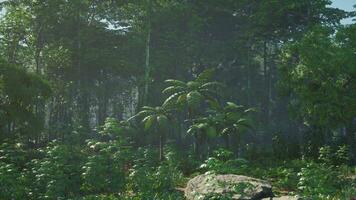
x,y
150,180
13,158
11,182
57,173
13,153
319,180
104,170
101,197
222,162
336,157
284,178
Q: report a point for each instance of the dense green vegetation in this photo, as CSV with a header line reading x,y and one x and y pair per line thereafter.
x,y
117,99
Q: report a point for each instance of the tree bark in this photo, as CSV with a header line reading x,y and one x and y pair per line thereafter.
x,y
147,59
161,148
266,81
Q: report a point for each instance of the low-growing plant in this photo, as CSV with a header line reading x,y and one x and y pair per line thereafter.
x,y
317,180
334,156
104,171
57,173
11,182
149,180
222,162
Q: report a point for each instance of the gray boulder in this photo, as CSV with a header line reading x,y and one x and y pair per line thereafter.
x,y
284,198
227,186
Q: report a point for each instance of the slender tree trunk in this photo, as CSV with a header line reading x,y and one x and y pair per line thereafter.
x,y
161,148
39,45
266,80
102,101
350,134
147,59
196,145
227,141
84,103
195,135
39,108
248,76
237,146
208,143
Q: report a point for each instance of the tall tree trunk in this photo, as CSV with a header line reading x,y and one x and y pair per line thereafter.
x,y
161,148
147,59
196,145
227,141
248,76
237,152
266,82
39,108
350,134
102,97
83,99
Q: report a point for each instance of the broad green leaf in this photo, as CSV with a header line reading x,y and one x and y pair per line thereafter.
x,y
193,85
211,131
211,84
175,82
194,98
181,99
205,75
149,121
171,99
172,89
162,120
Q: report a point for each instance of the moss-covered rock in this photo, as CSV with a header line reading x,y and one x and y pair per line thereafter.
x,y
228,186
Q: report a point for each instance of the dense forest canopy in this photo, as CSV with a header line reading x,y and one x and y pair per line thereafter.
x,y
117,99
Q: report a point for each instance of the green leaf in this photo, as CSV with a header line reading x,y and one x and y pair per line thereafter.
x,y
194,98
170,99
149,121
181,99
175,82
212,84
250,110
232,106
192,85
162,120
205,75
148,108
172,89
201,125
225,131
214,104
211,131
191,130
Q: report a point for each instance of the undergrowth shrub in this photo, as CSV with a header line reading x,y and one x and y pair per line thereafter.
x,y
223,162
319,180
105,168
150,179
13,158
11,182
57,173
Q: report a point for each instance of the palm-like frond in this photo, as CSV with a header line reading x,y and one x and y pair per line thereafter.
x,y
148,121
250,110
153,116
205,75
193,92
170,100
173,89
174,82
210,85
148,108
162,120
194,98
